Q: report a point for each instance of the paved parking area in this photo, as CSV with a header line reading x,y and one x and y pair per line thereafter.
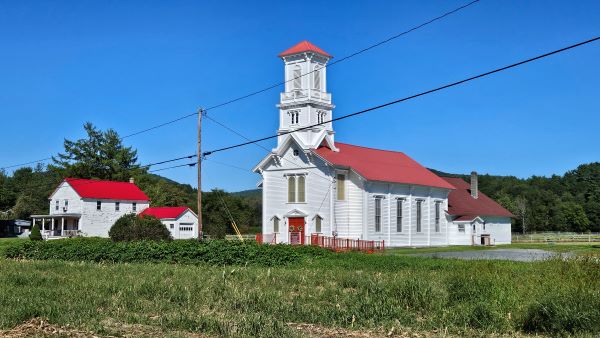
x,y
520,255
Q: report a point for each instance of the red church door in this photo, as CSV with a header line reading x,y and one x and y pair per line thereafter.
x,y
296,229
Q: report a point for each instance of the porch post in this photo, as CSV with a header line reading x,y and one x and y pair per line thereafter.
x,y
43,224
62,233
53,228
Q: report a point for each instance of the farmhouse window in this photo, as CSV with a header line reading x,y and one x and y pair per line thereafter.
x,y
172,226
134,206
57,202
461,228
66,205
98,205
117,206
341,187
377,214
318,224
399,204
437,216
419,215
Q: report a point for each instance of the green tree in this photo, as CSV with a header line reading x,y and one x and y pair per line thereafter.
x,y
36,234
572,217
100,155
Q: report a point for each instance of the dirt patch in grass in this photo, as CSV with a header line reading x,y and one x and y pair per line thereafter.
x,y
38,327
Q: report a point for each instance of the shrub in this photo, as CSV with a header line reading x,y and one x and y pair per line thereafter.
x,y
216,252
36,234
131,227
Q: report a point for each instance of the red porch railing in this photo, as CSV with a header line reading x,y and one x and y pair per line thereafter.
x,y
332,243
346,244
266,238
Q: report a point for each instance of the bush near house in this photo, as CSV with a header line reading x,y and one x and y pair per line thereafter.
x,y
131,227
217,252
36,234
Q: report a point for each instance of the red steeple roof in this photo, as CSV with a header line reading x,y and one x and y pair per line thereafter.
x,y
304,46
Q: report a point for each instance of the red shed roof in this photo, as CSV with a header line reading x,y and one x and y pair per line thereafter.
x,y
304,46
461,203
382,165
107,189
164,212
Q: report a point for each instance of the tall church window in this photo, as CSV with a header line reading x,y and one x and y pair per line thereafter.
x,y
297,75
301,188
318,221
399,204
419,215
377,214
437,216
341,187
291,189
317,77
275,224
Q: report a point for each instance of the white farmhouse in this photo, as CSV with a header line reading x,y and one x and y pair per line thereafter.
x,y
314,185
83,207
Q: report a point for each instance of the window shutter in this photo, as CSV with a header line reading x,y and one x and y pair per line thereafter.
x,y
317,77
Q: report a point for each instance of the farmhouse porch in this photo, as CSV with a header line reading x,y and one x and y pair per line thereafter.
x,y
57,226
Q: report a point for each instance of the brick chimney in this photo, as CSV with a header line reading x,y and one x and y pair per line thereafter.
x,y
131,180
474,184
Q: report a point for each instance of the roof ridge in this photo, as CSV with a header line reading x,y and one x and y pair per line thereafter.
x,y
371,148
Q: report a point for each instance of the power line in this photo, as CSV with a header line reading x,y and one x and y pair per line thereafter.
x,y
453,84
175,166
275,85
428,22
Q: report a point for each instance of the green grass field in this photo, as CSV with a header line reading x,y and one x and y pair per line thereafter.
x,y
367,294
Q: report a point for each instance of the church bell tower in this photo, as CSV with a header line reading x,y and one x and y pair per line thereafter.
x,y
305,101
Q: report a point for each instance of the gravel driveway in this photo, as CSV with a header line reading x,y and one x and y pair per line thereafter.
x,y
520,255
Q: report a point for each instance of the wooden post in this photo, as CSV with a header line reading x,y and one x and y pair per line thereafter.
x,y
199,165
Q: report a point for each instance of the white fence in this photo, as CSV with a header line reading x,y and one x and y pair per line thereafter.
x,y
555,237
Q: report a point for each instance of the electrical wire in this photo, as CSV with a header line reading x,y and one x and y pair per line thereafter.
x,y
446,86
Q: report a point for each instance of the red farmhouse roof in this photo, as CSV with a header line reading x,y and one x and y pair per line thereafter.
x,y
164,212
107,189
304,46
382,165
461,203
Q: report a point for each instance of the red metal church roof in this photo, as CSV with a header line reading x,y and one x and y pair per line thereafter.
x,y
382,165
461,203
107,189
164,212
304,46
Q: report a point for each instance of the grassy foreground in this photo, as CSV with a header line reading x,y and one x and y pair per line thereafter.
x,y
353,291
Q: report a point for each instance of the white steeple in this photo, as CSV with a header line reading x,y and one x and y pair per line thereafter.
x,y
305,101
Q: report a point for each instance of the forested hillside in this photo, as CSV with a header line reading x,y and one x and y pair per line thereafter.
x,y
559,203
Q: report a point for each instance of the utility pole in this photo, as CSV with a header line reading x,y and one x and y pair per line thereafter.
x,y
199,165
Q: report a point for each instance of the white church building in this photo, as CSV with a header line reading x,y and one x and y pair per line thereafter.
x,y
314,185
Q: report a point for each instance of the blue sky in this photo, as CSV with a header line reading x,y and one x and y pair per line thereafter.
x,y
128,65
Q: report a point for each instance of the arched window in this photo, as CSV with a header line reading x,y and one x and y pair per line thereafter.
x,y
297,75
291,189
275,224
317,76
301,189
318,221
